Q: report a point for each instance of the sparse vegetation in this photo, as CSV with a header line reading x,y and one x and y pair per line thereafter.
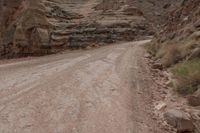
x,y
177,46
188,76
182,57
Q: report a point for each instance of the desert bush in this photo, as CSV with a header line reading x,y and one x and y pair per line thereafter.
x,y
169,55
187,75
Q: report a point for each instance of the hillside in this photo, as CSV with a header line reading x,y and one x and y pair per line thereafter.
x,y
178,43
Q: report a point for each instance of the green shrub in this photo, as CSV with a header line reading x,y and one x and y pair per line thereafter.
x,y
188,76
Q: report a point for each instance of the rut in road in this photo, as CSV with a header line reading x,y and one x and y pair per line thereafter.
x,y
104,90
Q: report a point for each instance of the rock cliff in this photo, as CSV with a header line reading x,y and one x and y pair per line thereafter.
x,y
38,27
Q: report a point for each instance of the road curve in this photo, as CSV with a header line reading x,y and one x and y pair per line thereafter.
x,y
104,90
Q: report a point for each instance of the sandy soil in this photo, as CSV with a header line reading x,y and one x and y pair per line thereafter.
x,y
104,90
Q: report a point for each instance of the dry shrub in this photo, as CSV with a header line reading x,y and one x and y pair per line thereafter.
x,y
188,76
170,55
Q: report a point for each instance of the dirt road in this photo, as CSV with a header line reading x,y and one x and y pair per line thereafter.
x,y
104,90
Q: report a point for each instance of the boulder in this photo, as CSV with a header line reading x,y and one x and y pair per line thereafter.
x,y
194,100
179,120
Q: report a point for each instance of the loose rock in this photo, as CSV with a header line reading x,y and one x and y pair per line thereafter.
x,y
160,106
179,120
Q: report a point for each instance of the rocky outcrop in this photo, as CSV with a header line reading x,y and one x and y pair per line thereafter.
x,y
24,28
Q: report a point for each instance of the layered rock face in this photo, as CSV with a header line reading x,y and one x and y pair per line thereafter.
x,y
37,27
97,24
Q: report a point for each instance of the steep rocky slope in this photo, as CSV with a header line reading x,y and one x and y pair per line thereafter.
x,y
37,27
178,43
177,47
182,27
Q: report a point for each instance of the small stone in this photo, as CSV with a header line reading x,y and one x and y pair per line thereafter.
x,y
160,106
147,56
88,47
157,66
